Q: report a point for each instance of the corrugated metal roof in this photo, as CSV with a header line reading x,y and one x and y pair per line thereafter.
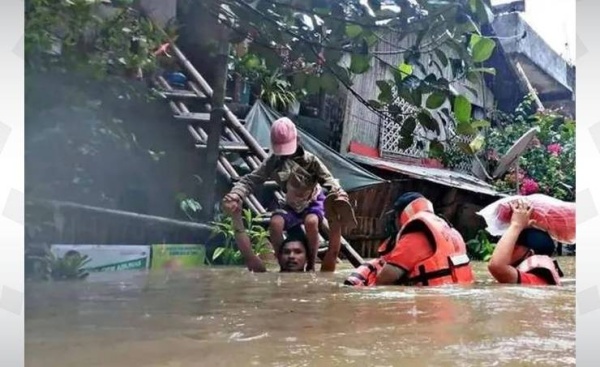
x,y
436,175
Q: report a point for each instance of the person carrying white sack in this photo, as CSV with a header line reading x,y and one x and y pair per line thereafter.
x,y
524,253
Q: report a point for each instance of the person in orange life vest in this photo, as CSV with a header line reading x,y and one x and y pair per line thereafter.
x,y
292,255
523,254
422,249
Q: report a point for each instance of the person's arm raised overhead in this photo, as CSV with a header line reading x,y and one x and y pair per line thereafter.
x,y
500,263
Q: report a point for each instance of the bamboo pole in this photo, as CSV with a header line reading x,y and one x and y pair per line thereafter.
x,y
523,76
201,136
353,257
208,91
234,123
252,162
57,205
259,208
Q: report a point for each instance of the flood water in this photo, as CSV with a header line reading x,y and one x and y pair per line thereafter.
x,y
229,317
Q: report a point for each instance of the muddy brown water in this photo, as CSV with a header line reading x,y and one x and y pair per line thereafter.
x,y
229,317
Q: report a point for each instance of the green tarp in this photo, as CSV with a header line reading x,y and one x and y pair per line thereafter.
x,y
352,177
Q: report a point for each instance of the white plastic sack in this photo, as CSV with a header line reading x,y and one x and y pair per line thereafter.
x,y
552,215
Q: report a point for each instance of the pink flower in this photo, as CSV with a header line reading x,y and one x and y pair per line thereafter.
x,y
554,149
529,186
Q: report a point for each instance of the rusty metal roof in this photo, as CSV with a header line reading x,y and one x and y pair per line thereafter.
x,y
436,175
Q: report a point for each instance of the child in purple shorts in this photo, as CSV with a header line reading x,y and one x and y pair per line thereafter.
x,y
305,181
293,219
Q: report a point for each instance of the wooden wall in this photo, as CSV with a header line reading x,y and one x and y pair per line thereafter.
x,y
361,124
457,206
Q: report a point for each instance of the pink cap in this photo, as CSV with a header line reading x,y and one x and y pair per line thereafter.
x,y
284,137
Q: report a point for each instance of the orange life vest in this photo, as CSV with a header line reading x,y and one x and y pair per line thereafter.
x,y
449,264
543,266
365,274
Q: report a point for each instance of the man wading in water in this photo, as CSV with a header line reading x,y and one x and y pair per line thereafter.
x,y
302,176
292,254
422,249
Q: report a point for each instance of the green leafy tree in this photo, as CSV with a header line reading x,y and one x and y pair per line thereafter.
x,y
90,36
321,44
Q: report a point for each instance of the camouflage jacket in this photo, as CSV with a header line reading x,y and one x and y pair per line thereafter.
x,y
305,169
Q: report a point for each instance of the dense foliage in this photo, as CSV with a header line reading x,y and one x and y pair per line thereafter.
x,y
90,36
320,44
548,166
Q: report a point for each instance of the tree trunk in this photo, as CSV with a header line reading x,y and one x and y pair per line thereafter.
x,y
215,129
238,84
205,43
322,104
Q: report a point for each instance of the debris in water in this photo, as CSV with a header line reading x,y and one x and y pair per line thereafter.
x,y
238,337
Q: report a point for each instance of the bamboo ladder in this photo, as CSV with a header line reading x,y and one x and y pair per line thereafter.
x,y
235,138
